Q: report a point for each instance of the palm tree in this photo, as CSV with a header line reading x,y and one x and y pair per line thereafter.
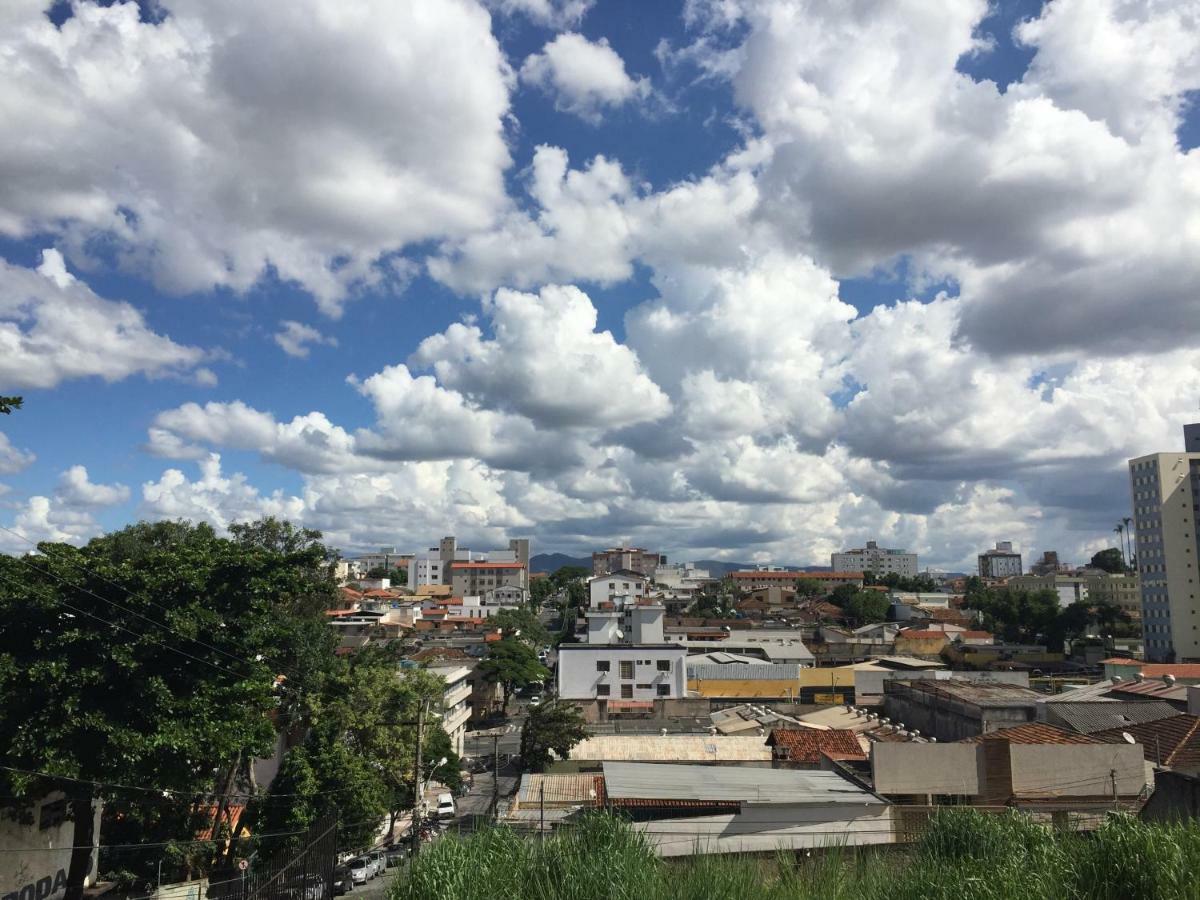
x,y
1129,539
1120,530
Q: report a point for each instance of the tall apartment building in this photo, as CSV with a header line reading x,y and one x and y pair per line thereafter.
x,y
433,566
478,578
876,559
1002,562
1165,489
630,559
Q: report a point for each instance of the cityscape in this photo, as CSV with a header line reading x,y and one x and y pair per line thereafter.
x,y
599,449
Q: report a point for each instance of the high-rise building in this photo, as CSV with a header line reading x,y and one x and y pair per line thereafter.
x,y
630,559
1165,489
1003,562
877,560
1048,564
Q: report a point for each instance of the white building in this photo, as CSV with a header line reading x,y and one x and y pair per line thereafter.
x,y
432,566
1165,489
37,853
681,577
615,586
877,560
1003,562
1070,588
456,703
621,672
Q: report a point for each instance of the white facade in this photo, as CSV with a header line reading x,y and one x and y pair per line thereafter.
x,y
611,588
456,703
621,672
1165,489
1002,562
876,559
40,873
681,577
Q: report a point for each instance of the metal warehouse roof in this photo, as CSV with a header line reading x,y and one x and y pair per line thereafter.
x,y
672,747
743,672
575,788
1101,715
653,781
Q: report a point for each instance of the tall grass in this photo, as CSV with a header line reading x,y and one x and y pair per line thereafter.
x,y
964,854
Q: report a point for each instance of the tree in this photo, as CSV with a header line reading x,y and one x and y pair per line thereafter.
x,y
1110,560
551,727
867,607
841,594
8,404
512,664
523,625
567,574
151,657
540,590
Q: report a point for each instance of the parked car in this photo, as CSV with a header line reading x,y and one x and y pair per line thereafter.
x,y
361,869
380,860
343,883
535,700
396,855
445,807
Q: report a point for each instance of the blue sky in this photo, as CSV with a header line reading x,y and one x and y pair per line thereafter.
x,y
831,255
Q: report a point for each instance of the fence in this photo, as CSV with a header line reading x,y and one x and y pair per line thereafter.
x,y
302,871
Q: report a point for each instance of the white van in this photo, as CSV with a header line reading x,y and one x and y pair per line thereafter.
x,y
445,807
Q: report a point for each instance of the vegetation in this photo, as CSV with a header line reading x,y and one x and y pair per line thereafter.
x,y
395,576
917,584
1037,617
523,625
863,607
550,727
965,855
8,404
512,664
1110,560
714,600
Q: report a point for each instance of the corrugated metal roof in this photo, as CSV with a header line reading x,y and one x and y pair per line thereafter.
x,y
1033,733
1171,742
744,672
672,747
575,788
1102,715
979,694
650,781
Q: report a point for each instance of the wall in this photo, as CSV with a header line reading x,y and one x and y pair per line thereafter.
x,y
578,677
745,689
770,827
1176,798
39,874
920,768
1077,770
948,719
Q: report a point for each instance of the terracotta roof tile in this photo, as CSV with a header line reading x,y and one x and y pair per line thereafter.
x,y
807,745
1034,733
1173,742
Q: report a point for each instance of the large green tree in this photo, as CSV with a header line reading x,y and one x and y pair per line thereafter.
x,y
551,727
157,656
512,664
866,608
1110,560
523,625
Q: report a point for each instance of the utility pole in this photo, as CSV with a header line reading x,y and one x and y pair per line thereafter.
x,y
542,811
415,836
496,776
1113,775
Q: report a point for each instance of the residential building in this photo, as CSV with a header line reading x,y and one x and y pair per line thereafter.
x,y
434,565
1003,562
632,559
1169,742
623,583
1103,715
1069,588
36,839
1124,591
1165,489
757,579
876,560
1186,673
954,709
456,702
616,673
809,747
1048,564
681,577
477,578
386,558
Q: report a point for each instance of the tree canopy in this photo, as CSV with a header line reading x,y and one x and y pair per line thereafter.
x,y
512,664
550,727
8,404
522,624
1111,560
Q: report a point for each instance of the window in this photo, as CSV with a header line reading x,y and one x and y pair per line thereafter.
x,y
627,692
602,665
627,668
664,690
664,665
602,690
643,687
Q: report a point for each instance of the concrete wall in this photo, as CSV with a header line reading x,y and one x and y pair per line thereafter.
x,y
1077,770
578,677
770,827
745,688
949,719
40,874
919,768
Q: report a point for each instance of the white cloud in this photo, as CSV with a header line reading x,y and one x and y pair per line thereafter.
x,y
54,328
13,459
42,519
214,498
549,13
76,490
294,337
312,137
584,77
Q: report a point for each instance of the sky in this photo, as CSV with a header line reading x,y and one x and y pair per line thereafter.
x,y
742,279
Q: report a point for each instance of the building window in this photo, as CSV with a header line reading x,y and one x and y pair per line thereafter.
x,y
626,668
602,690
627,692
602,665
664,665
664,690
643,687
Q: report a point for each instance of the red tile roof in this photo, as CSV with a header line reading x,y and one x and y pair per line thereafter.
x,y
922,635
1174,741
792,576
807,745
1035,733
1158,670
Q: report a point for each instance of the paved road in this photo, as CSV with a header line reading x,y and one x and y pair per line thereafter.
x,y
377,888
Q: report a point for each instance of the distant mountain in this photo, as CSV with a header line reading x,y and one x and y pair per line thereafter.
x,y
552,562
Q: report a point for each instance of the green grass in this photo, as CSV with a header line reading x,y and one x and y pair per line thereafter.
x,y
964,855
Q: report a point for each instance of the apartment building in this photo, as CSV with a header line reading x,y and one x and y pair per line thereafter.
x,y
480,578
456,705
877,560
622,583
1002,562
632,559
433,565
1165,490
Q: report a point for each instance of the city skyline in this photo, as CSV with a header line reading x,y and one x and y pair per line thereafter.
x,y
658,279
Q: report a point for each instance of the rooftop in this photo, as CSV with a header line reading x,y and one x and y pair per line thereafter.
x,y
808,745
978,694
1173,742
672,747
1189,671
650,782
1101,715
557,789
1034,733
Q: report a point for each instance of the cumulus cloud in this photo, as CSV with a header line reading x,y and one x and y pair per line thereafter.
x,y
584,77
231,136
13,459
42,519
54,328
294,338
213,497
549,13
76,490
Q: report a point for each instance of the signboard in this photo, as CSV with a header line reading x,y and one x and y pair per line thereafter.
x,y
243,864
832,699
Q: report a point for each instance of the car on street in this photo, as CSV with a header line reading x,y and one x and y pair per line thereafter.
x,y
343,882
380,861
445,807
396,855
362,870
535,700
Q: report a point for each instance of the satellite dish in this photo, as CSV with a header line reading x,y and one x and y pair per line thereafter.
x,y
1128,738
